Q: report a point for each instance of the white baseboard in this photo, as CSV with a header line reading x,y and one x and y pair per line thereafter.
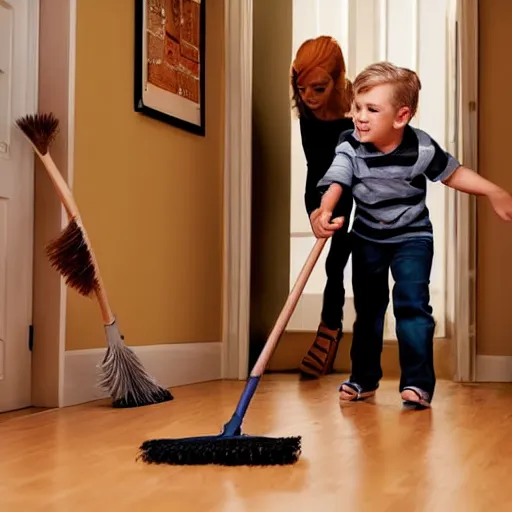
x,y
172,365
493,368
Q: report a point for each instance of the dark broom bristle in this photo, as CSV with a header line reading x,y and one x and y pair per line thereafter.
x,y
130,400
224,451
70,255
41,129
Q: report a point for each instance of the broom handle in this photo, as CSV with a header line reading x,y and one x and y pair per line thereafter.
x,y
288,309
233,426
71,208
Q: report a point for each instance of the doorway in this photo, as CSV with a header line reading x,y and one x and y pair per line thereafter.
x,y
18,96
401,31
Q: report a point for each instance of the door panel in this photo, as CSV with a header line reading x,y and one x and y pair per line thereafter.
x,y
370,30
17,98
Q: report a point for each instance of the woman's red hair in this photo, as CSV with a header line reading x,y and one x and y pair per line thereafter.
x,y
322,52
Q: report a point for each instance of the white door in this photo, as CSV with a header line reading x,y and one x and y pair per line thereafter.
x,y
18,65
400,31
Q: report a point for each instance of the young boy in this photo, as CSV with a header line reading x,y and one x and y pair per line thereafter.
x,y
386,164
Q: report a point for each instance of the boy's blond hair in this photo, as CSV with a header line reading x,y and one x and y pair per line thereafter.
x,y
406,83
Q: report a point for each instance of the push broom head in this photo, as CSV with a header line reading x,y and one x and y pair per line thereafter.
x,y
222,450
230,448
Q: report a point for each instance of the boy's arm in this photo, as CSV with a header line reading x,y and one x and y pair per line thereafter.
x,y
322,224
468,181
331,197
447,169
337,177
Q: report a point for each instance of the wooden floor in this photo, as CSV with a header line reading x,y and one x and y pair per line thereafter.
x,y
361,457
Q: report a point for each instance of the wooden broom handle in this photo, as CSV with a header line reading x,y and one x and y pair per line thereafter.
x,y
288,309
71,208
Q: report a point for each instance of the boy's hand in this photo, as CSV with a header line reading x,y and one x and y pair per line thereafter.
x,y
322,225
502,203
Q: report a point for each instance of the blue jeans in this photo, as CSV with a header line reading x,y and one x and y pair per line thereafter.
x,y
410,263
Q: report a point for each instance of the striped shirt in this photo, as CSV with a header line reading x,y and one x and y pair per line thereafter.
x,y
389,189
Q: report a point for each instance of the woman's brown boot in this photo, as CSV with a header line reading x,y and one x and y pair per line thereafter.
x,y
319,359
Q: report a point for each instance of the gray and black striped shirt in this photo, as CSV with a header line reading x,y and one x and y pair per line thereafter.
x,y
389,189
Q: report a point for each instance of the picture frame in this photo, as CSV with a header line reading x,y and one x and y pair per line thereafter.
x,y
169,62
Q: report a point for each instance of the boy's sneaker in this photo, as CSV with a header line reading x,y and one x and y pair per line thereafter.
x,y
353,392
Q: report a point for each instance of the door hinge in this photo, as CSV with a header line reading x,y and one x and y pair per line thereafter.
x,y
30,337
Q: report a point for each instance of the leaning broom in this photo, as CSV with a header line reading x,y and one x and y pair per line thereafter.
x,y
122,376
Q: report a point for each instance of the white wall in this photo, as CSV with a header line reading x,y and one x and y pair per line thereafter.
x,y
403,32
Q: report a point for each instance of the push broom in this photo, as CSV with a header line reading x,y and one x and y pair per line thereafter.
x,y
122,374
231,447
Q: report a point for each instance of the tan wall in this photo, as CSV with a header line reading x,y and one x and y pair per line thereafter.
x,y
270,252
150,194
494,236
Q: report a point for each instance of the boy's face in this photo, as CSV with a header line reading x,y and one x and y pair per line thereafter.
x,y
376,118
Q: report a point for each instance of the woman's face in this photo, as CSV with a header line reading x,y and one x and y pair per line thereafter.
x,y
315,89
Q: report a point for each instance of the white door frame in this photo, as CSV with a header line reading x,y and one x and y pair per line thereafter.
x,y
465,205
237,187
237,191
57,38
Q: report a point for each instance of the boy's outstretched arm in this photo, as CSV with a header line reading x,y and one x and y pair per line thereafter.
x,y
467,180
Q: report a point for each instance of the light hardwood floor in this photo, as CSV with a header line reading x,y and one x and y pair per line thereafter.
x,y
359,457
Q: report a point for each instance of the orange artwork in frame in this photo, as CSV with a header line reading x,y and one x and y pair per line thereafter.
x,y
169,61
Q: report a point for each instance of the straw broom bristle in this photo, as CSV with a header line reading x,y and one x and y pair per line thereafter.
x,y
126,380
123,376
41,129
70,256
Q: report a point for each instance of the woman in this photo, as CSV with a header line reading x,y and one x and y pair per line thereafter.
x,y
322,98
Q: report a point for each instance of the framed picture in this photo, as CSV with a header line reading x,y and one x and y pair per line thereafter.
x,y
169,62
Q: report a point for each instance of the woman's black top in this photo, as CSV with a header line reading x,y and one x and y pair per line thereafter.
x,y
319,140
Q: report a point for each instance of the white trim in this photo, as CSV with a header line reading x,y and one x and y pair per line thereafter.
x,y
33,45
383,29
32,102
171,365
493,369
350,50
71,95
70,178
345,40
237,188
467,142
415,46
